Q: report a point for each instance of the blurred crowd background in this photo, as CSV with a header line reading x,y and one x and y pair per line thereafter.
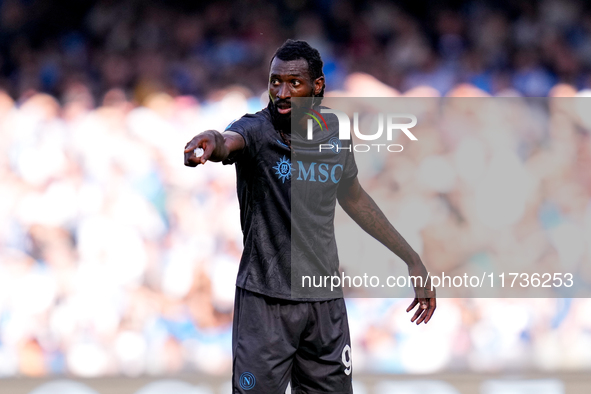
x,y
197,48
117,259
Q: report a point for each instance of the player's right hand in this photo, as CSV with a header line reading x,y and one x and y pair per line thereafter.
x,y
206,141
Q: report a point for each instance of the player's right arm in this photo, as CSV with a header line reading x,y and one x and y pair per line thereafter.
x,y
216,146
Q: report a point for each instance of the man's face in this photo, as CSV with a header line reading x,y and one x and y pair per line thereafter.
x,y
289,79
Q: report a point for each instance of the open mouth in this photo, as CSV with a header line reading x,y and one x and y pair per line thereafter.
x,y
284,108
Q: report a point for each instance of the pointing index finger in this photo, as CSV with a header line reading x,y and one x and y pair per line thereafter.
x,y
190,148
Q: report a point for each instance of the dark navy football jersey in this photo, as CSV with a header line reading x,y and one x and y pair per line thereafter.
x,y
287,205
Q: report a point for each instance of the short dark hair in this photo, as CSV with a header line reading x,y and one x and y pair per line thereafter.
x,y
298,49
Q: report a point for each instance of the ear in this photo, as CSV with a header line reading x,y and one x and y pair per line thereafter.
x,y
318,85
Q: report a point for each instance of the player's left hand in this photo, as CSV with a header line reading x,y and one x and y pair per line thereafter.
x,y
425,310
424,297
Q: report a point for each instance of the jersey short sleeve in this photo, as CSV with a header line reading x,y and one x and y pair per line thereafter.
x,y
249,127
350,171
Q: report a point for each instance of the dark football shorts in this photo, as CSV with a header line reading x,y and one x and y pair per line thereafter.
x,y
275,341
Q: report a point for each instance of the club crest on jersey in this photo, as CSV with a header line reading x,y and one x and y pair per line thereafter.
x,y
283,169
336,144
247,381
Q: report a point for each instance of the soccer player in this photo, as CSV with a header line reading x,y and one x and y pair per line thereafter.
x,y
278,338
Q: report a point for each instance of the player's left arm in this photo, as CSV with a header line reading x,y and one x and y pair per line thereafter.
x,y
366,213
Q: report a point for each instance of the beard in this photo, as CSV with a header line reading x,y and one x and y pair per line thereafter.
x,y
283,122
